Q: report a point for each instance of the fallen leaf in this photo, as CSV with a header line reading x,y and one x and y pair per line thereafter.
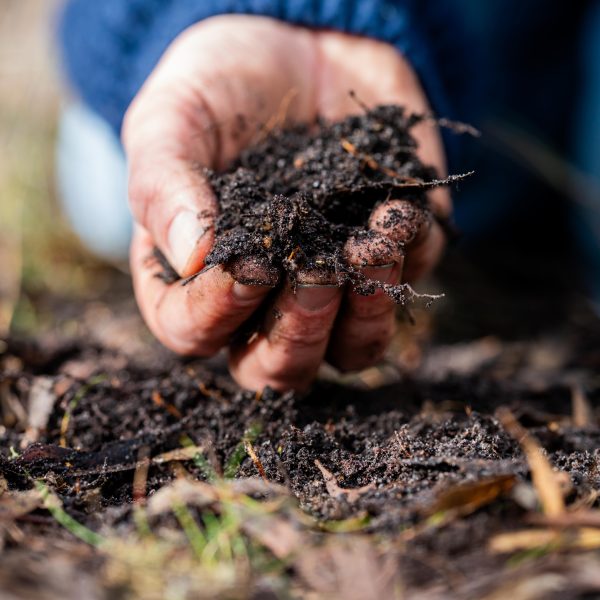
x,y
350,567
460,359
545,479
466,498
584,538
16,504
40,404
279,535
337,492
182,491
578,518
187,453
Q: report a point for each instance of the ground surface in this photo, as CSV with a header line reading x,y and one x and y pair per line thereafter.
x,y
386,485
127,473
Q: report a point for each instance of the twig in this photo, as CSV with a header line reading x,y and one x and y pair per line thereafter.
x,y
583,415
255,459
170,408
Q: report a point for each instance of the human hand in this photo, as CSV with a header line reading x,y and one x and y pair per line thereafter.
x,y
201,106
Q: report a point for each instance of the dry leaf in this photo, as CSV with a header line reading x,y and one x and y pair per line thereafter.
x,y
282,537
545,479
352,568
337,492
40,404
187,453
584,538
182,491
467,498
578,518
16,504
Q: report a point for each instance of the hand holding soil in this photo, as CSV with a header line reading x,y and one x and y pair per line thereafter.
x,y
220,86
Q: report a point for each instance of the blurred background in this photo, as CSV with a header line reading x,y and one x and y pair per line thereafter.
x,y
45,273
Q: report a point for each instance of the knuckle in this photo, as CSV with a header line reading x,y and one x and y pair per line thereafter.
x,y
298,339
190,345
371,308
186,339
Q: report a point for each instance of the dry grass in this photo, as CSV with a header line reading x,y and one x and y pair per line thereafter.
x,y
38,253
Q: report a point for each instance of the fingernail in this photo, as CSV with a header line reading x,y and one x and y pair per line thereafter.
x,y
315,297
246,293
383,273
184,233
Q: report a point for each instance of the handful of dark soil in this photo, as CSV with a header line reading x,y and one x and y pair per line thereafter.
x,y
291,203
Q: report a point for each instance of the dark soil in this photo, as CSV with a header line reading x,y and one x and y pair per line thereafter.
x,y
293,200
405,443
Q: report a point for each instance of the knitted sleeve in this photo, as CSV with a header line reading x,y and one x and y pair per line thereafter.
x,y
109,47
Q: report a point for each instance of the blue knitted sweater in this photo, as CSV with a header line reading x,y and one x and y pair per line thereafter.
x,y
111,46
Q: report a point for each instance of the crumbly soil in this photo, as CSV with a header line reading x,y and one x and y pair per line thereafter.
x,y
292,201
398,446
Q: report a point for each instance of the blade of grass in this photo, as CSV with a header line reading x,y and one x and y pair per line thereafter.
x,y
54,507
232,466
190,528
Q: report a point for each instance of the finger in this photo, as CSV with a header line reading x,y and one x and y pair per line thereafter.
x,y
288,352
425,252
405,223
366,324
199,318
177,206
168,194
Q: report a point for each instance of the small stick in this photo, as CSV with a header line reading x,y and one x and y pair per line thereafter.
x,y
252,454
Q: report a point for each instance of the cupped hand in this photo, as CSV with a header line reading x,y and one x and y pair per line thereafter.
x,y
215,85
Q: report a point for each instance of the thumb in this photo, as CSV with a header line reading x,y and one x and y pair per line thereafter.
x,y
175,203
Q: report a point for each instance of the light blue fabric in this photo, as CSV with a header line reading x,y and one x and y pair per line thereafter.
x,y
92,182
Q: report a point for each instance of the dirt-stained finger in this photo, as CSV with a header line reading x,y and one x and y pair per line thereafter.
x,y
414,228
253,270
402,221
194,319
287,352
371,248
366,324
